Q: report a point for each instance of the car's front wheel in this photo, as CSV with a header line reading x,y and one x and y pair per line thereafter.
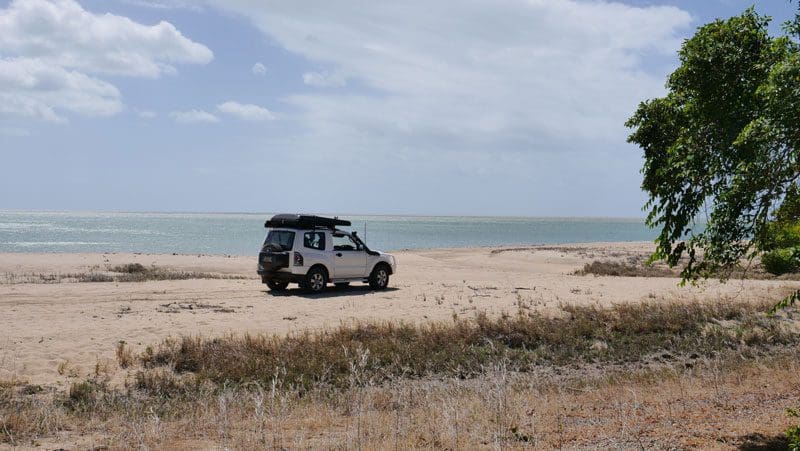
x,y
315,281
379,279
275,285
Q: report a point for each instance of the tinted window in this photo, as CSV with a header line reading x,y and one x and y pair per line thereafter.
x,y
279,240
314,240
345,243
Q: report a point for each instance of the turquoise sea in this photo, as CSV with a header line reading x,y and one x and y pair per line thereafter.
x,y
242,233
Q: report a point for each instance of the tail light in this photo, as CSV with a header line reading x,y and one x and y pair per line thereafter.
x,y
298,259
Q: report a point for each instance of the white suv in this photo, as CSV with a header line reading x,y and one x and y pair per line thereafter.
x,y
311,251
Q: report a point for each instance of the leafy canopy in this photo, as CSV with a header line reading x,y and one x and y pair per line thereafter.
x,y
723,146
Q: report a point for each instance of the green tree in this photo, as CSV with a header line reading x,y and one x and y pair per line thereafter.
x,y
783,231
789,210
722,148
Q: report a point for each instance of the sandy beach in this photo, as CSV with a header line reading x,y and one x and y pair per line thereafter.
x,y
54,329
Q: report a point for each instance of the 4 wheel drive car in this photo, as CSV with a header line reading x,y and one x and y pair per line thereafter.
x,y
312,252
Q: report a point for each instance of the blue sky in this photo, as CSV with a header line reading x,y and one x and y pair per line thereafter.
x,y
470,107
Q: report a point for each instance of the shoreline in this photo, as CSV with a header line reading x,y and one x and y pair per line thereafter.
x,y
521,246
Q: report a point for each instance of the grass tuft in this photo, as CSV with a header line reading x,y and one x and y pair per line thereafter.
x,y
624,269
164,383
129,268
81,395
124,354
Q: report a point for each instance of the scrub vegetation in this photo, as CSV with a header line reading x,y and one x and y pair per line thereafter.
x,y
487,381
637,268
630,268
130,272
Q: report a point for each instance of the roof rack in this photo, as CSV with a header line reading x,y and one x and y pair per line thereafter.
x,y
304,222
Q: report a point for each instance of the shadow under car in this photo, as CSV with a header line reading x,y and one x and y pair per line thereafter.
x,y
330,292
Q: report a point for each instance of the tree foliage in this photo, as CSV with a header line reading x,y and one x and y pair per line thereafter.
x,y
722,147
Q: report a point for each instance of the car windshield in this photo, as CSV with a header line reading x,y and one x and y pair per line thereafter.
x,y
279,240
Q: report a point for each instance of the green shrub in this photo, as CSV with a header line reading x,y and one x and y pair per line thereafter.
x,y
781,261
793,433
784,235
784,229
790,208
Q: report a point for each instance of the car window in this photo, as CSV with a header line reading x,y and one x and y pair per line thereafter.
x,y
314,240
279,240
345,243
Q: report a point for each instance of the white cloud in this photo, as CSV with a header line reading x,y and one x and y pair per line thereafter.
x,y
166,4
481,76
53,49
324,79
193,117
246,111
259,69
35,89
63,33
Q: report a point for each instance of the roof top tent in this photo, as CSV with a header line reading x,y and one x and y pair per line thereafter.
x,y
304,222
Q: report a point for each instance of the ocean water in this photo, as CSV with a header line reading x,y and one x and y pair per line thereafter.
x,y
242,234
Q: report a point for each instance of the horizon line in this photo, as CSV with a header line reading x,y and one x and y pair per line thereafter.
x,y
412,215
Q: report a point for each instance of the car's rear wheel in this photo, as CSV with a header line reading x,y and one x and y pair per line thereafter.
x,y
379,279
275,285
315,281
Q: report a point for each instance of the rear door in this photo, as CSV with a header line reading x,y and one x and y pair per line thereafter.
x,y
315,243
350,258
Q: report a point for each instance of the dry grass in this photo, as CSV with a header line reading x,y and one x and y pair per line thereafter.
x,y
129,268
46,278
465,347
625,269
637,267
124,355
136,272
131,272
630,376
